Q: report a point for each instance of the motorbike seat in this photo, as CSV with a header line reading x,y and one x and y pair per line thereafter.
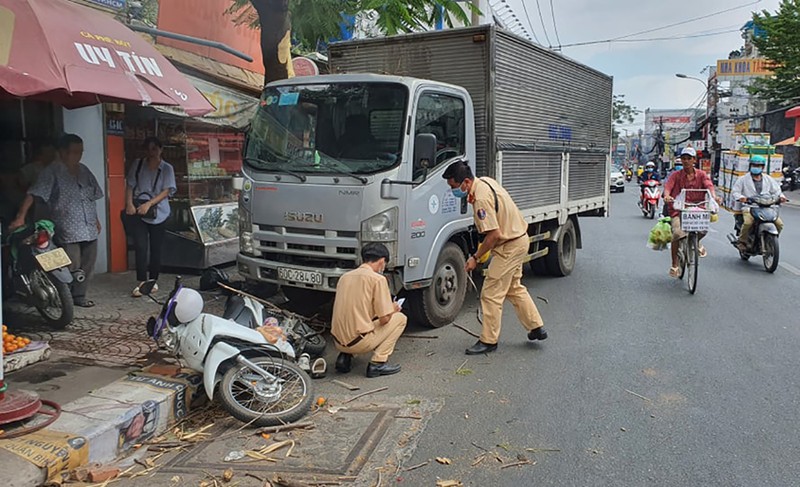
x,y
236,311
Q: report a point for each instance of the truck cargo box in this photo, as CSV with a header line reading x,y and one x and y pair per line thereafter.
x,y
543,121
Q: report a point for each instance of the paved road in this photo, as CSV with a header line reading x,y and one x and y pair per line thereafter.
x,y
718,370
639,384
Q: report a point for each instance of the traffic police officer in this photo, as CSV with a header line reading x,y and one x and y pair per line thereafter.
x,y
506,237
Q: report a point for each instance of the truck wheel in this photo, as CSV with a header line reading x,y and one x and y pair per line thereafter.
x,y
538,266
560,261
439,304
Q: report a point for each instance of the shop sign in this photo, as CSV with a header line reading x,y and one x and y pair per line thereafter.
x,y
304,67
233,109
115,125
113,4
743,67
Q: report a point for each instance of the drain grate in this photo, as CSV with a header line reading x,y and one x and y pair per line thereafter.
x,y
338,448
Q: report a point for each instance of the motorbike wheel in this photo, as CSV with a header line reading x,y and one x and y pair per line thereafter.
x,y
651,214
58,311
771,253
743,256
310,341
249,398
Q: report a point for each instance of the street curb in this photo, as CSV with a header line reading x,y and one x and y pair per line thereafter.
x,y
111,420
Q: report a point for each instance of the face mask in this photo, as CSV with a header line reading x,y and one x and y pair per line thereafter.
x,y
755,171
679,168
649,169
458,193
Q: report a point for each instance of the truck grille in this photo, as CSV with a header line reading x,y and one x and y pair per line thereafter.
x,y
317,248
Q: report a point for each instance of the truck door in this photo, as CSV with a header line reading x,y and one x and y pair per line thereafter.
x,y
432,204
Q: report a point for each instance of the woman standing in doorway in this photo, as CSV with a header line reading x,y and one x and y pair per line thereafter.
x,y
151,181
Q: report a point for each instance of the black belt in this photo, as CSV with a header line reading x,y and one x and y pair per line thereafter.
x,y
352,343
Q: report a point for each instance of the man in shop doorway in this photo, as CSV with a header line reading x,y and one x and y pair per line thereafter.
x,y
71,191
44,154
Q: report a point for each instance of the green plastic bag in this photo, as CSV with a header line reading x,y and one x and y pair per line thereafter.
x,y
661,234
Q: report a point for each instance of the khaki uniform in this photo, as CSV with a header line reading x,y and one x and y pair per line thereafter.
x,y
362,297
505,270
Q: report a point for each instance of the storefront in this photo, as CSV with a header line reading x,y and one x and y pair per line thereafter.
x,y
207,156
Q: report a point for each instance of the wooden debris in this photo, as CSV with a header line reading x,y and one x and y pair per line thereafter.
x,y
638,395
347,386
227,475
380,389
286,427
444,460
539,450
518,464
466,330
449,483
424,337
480,458
543,299
414,467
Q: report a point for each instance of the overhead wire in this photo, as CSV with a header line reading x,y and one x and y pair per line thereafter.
x,y
625,38
555,25
541,19
527,16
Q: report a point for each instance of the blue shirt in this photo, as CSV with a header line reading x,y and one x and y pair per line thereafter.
x,y
71,200
150,184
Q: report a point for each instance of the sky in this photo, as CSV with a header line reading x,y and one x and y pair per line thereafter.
x,y
645,71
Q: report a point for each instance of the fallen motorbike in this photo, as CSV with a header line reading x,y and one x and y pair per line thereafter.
x,y
259,383
307,342
651,196
763,238
41,275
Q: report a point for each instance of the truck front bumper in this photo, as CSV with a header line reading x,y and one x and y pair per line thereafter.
x,y
263,270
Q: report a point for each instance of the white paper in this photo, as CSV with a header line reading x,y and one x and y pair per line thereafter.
x,y
401,301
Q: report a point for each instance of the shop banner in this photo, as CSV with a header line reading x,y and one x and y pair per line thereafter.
x,y
54,451
233,108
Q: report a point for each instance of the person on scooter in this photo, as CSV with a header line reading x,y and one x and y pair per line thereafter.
x,y
752,185
649,174
365,319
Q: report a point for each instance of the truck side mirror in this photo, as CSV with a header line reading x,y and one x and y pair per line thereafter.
x,y
424,154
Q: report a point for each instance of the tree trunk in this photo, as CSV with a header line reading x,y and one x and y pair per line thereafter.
x,y
276,35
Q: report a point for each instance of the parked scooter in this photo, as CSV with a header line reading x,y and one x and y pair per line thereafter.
x,y
763,238
41,277
259,383
790,178
651,196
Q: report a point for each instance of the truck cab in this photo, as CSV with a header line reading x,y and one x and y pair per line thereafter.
x,y
334,162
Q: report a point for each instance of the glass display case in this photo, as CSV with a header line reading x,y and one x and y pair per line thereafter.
x,y
203,227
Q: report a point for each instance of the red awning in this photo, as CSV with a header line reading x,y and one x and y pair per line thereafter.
x,y
59,51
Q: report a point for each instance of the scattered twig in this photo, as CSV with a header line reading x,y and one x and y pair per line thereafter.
x,y
466,330
253,476
638,395
347,386
478,459
517,464
539,450
479,447
424,337
286,427
380,478
414,467
399,416
380,389
543,299
462,365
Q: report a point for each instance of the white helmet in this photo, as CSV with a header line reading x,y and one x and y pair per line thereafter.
x,y
188,305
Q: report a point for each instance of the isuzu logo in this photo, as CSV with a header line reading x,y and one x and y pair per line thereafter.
x,y
299,216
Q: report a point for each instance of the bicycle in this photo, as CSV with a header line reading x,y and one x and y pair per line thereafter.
x,y
695,220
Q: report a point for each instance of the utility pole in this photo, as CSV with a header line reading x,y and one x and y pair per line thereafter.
x,y
476,16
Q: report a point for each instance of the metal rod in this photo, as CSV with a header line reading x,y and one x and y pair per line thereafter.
x,y
192,40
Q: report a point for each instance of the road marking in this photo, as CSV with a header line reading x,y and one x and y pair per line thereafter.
x,y
789,267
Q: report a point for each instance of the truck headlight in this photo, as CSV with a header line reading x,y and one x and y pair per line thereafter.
x,y
381,227
246,244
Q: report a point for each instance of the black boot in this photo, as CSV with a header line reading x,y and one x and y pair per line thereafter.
x,y
480,348
377,370
537,334
343,362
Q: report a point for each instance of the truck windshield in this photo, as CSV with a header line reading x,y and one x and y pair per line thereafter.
x,y
341,128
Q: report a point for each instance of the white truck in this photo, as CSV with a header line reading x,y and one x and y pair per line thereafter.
x,y
335,161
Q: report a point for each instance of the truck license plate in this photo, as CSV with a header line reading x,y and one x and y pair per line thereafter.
x,y
295,275
54,259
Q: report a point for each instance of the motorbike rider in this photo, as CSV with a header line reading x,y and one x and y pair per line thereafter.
x,y
752,185
649,174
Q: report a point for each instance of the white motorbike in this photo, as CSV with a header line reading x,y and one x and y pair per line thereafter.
x,y
259,383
